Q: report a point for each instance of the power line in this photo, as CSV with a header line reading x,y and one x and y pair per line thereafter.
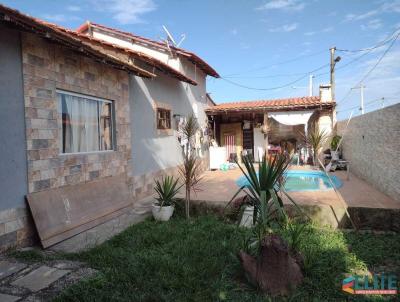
x,y
373,67
266,76
378,45
367,104
277,87
278,63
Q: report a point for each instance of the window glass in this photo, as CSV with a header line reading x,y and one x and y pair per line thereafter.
x,y
86,123
163,118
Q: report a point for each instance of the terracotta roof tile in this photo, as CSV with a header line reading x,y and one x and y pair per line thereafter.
x,y
189,55
95,47
67,38
277,104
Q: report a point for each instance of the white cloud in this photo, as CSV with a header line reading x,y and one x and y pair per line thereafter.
x,y
391,6
60,18
126,11
324,30
372,24
354,17
327,29
73,8
284,28
293,5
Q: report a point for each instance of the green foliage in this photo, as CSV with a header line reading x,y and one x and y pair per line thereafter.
x,y
184,261
295,233
335,142
167,190
316,138
264,187
191,168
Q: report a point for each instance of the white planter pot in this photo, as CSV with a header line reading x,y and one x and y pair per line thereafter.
x,y
162,213
247,218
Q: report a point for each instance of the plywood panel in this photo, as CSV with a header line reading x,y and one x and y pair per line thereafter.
x,y
66,211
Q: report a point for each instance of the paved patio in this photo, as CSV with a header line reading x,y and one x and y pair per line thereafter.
x,y
218,187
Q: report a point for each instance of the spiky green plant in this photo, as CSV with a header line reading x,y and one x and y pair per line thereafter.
x,y
167,189
316,138
191,168
263,188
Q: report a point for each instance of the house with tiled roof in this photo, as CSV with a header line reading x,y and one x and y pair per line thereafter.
x,y
89,119
154,143
247,125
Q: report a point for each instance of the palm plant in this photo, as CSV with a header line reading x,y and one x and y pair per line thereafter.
x,y
166,190
316,138
191,168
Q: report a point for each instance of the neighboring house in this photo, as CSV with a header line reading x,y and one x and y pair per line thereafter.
x,y
238,125
71,122
155,144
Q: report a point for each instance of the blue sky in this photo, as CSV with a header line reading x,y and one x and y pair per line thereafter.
x,y
261,44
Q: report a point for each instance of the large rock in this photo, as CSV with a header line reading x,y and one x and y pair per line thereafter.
x,y
275,271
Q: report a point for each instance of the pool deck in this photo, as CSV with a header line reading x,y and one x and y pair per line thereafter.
x,y
218,187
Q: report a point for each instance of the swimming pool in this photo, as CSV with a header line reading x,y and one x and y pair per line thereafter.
x,y
302,180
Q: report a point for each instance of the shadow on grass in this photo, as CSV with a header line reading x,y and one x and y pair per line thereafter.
x,y
195,260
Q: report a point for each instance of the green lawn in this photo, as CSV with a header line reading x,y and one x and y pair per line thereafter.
x,y
196,261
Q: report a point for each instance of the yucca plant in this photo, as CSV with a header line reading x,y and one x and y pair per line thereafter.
x,y
191,168
263,188
316,138
167,189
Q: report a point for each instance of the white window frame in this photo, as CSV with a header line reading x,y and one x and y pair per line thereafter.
x,y
89,97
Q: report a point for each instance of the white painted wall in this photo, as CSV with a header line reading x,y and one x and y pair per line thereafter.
x,y
152,151
160,54
259,142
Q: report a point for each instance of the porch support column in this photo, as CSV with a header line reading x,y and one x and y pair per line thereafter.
x,y
265,131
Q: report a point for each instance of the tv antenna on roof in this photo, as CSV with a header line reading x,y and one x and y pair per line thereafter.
x,y
170,39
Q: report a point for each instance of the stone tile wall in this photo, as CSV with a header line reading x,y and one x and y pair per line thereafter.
x,y
47,67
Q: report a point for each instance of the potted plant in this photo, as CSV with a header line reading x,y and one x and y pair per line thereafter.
x,y
334,145
166,190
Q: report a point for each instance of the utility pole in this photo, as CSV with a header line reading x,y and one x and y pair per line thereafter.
x,y
361,87
311,85
332,72
332,50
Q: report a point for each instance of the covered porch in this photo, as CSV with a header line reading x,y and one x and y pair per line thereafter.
x,y
277,126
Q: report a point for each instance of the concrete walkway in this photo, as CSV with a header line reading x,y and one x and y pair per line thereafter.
x,y
24,281
368,207
218,187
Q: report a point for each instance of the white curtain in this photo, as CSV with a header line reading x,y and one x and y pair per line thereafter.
x,y
91,125
291,118
80,124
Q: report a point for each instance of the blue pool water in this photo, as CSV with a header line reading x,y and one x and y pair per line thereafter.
x,y
301,180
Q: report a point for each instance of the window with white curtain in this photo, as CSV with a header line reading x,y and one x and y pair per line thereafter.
x,y
87,123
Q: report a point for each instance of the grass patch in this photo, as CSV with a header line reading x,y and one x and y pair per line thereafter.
x,y
196,261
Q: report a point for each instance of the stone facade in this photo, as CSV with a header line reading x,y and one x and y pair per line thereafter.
x,y
143,185
16,228
371,143
47,67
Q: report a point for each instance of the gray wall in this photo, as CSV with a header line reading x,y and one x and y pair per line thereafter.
x,y
13,171
152,151
372,144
